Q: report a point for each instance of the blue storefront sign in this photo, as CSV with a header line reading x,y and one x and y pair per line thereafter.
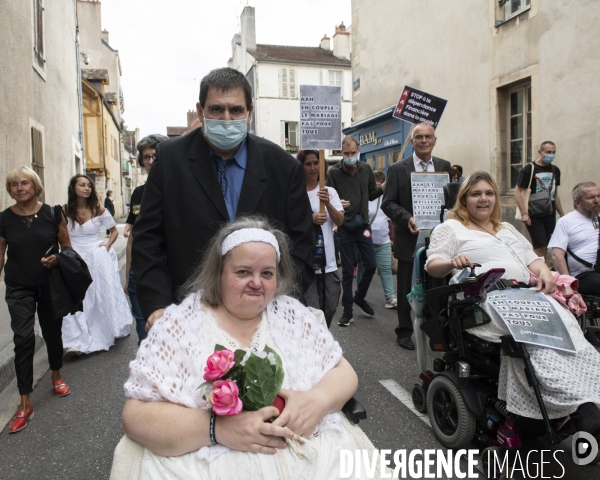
x,y
380,138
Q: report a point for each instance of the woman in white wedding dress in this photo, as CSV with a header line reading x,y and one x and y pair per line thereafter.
x,y
238,298
106,314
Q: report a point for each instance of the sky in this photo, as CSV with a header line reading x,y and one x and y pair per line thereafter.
x,y
166,47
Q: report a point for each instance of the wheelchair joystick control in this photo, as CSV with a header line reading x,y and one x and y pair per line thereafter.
x,y
468,274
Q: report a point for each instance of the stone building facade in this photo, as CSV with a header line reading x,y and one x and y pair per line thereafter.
x,y
515,73
39,103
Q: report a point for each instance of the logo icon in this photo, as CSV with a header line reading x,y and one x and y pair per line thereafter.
x,y
584,448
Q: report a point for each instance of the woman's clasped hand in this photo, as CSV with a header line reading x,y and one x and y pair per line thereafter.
x,y
253,431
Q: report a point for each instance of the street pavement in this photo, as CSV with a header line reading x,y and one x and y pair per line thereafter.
x,y
74,437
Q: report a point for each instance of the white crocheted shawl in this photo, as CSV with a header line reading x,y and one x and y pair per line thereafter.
x,y
170,363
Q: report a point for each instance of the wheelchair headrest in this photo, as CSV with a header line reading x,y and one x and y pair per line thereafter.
x,y
450,194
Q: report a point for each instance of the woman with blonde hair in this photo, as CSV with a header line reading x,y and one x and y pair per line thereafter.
x,y
30,234
474,234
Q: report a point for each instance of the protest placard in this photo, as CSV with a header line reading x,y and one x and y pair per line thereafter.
x,y
531,318
320,117
416,106
428,197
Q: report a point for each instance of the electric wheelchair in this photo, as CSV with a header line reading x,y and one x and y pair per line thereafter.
x,y
460,392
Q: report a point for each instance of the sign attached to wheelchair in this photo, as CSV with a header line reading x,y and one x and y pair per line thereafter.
x,y
531,318
428,197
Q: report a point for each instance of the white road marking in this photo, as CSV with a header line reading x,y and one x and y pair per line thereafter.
x,y
405,397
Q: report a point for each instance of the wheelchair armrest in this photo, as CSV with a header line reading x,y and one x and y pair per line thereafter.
x,y
593,335
354,411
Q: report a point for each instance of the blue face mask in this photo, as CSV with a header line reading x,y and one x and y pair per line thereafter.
x,y
351,160
225,134
548,159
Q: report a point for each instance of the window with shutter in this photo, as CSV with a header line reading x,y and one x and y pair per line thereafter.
x,y
293,83
285,92
288,83
38,33
293,134
37,155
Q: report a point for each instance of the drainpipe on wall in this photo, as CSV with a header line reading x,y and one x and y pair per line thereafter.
x,y
79,92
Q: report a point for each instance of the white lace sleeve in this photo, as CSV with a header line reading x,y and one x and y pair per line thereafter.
x,y
309,348
161,370
106,220
443,243
529,256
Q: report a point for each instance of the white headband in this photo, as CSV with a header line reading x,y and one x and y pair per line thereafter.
x,y
246,235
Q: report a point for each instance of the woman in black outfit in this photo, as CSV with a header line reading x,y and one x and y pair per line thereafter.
x,y
29,230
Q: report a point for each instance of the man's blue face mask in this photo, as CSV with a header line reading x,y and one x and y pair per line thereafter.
x,y
225,134
548,159
351,160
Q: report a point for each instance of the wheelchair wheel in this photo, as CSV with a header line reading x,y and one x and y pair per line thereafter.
x,y
453,423
419,398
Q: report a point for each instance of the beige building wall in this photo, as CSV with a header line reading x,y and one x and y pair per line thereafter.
x,y
97,52
42,98
469,53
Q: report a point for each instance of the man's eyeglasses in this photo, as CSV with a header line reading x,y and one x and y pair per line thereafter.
x,y
147,158
421,137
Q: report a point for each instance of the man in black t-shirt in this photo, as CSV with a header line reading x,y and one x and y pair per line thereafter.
x,y
546,177
146,155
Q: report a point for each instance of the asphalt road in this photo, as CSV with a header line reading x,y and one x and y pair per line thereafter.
x,y
74,437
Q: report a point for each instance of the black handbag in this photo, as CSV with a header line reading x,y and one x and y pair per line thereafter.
x,y
356,221
540,204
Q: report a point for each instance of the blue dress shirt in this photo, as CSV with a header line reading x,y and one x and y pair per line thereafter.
x,y
235,176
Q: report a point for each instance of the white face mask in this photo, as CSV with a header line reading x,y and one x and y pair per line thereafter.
x,y
225,134
351,160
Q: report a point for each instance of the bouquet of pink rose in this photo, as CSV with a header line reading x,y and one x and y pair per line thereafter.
x,y
240,379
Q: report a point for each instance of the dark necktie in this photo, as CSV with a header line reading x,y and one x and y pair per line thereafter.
x,y
424,165
221,177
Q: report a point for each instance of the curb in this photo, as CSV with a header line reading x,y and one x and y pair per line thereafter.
x,y
7,354
7,361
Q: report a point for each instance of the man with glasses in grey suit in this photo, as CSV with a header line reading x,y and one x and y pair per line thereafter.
x,y
397,205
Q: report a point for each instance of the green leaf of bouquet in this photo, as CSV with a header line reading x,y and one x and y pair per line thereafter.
x,y
219,347
239,356
277,369
259,384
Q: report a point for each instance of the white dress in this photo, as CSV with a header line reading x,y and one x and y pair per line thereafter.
x,y
106,314
186,335
566,380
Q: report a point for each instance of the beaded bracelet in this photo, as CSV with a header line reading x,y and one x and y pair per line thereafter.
x,y
212,428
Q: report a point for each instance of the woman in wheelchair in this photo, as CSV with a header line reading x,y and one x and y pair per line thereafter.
x,y
473,234
238,299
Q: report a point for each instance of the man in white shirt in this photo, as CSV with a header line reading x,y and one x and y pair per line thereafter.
x,y
577,235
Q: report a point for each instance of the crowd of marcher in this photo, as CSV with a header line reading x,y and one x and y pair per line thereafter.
x,y
220,245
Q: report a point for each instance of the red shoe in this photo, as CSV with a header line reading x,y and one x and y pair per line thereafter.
x,y
20,421
61,388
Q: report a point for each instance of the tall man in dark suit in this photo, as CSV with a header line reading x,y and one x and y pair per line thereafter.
x,y
208,177
397,205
